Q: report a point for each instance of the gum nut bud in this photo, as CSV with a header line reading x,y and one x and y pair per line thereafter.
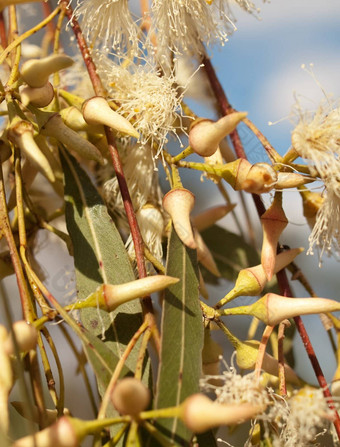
x,y
200,413
260,179
251,281
210,216
21,134
55,127
35,72
130,396
64,433
74,119
236,173
246,356
178,203
109,296
204,255
37,96
96,110
291,180
272,308
274,221
24,411
26,337
205,135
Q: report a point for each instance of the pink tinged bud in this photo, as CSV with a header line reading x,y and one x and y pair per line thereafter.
x,y
291,180
235,173
205,135
246,356
96,111
37,96
130,396
36,72
178,203
251,281
109,297
210,216
55,127
26,337
21,134
200,413
204,255
272,308
274,221
64,433
260,179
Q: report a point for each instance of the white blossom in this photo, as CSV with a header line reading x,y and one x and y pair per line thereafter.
x,y
107,24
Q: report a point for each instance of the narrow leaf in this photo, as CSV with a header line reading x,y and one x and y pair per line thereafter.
x,y
99,257
182,338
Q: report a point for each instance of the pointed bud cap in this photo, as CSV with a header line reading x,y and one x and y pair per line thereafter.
x,y
204,255
246,356
210,216
273,221
26,337
35,72
96,111
55,127
21,134
130,396
251,281
200,413
205,135
109,297
178,203
37,96
273,308
291,180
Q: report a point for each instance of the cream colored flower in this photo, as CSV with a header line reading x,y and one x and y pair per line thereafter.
x,y
147,99
107,24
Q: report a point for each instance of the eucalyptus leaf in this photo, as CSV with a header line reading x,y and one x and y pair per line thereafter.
x,y
182,339
100,257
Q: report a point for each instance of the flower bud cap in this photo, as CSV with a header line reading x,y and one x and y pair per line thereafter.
x,y
178,203
130,396
96,110
35,72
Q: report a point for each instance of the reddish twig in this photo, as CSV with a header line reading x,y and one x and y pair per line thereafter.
x,y
117,164
3,33
226,108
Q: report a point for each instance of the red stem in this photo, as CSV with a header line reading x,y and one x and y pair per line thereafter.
x,y
117,164
226,108
3,33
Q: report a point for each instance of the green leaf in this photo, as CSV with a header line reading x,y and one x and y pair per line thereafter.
x,y
230,251
182,338
99,257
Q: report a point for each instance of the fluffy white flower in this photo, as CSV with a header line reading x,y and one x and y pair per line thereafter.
x,y
308,413
147,99
108,24
316,138
326,231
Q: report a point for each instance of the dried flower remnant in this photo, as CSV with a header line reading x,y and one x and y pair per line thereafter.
x,y
108,25
307,414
